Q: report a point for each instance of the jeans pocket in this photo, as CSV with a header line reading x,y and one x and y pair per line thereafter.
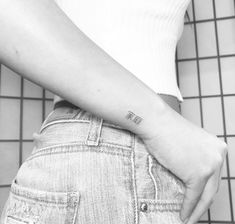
x,y
169,193
30,206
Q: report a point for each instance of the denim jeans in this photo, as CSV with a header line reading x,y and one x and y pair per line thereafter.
x,y
85,170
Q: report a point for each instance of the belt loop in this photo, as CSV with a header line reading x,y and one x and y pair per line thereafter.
x,y
93,136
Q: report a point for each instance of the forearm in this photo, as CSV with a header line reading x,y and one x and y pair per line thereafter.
x,y
39,42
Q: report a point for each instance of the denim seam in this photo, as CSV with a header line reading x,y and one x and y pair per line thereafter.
x,y
135,200
150,166
158,182
71,120
15,219
97,150
48,202
75,120
162,205
94,131
119,147
56,153
76,210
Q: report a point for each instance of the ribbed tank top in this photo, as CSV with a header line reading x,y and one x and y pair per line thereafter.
x,y
139,34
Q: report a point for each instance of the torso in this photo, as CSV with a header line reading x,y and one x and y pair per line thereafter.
x,y
172,101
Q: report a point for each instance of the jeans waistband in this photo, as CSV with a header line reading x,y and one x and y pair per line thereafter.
x,y
68,124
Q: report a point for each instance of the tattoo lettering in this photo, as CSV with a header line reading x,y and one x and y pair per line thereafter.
x,y
131,116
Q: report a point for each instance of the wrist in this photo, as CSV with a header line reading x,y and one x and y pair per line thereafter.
x,y
159,115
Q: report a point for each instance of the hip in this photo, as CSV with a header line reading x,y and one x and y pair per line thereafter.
x,y
84,169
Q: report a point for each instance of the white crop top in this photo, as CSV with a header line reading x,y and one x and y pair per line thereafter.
x,y
140,34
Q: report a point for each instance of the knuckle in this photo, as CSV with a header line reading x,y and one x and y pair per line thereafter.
x,y
208,171
204,174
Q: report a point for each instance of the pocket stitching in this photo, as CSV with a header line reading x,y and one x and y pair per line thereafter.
x,y
70,202
64,198
15,219
161,205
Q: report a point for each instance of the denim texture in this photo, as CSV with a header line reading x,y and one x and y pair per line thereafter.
x,y
85,170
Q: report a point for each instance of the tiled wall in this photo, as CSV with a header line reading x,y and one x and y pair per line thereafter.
x,y
206,76
23,107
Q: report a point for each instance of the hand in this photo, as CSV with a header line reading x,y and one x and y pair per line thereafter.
x,y
192,154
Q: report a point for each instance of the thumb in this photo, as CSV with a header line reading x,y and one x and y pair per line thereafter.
x,y
192,195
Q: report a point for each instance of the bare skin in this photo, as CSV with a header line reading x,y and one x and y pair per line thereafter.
x,y
39,42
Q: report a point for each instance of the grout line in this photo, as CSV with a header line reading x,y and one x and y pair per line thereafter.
x,y
206,57
25,98
0,77
198,76
208,96
21,121
223,110
16,140
198,66
5,185
43,104
217,221
209,20
234,6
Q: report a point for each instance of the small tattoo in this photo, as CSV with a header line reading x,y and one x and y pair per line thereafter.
x,y
131,116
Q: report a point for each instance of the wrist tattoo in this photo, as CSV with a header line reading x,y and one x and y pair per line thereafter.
x,y
133,117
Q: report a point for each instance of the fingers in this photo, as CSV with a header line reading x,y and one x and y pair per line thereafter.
x,y
191,198
206,198
199,195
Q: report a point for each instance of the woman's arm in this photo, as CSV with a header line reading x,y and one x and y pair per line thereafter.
x,y
39,42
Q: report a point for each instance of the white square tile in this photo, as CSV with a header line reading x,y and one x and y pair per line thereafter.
x,y
4,193
212,115
206,39
220,209
27,149
188,80
224,8
48,107
31,89
49,94
9,161
9,118
190,12
226,35
32,117
233,195
209,76
204,217
229,103
228,75
190,109
231,155
203,9
10,82
186,44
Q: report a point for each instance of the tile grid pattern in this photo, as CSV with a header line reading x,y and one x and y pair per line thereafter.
x,y
196,56
214,215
